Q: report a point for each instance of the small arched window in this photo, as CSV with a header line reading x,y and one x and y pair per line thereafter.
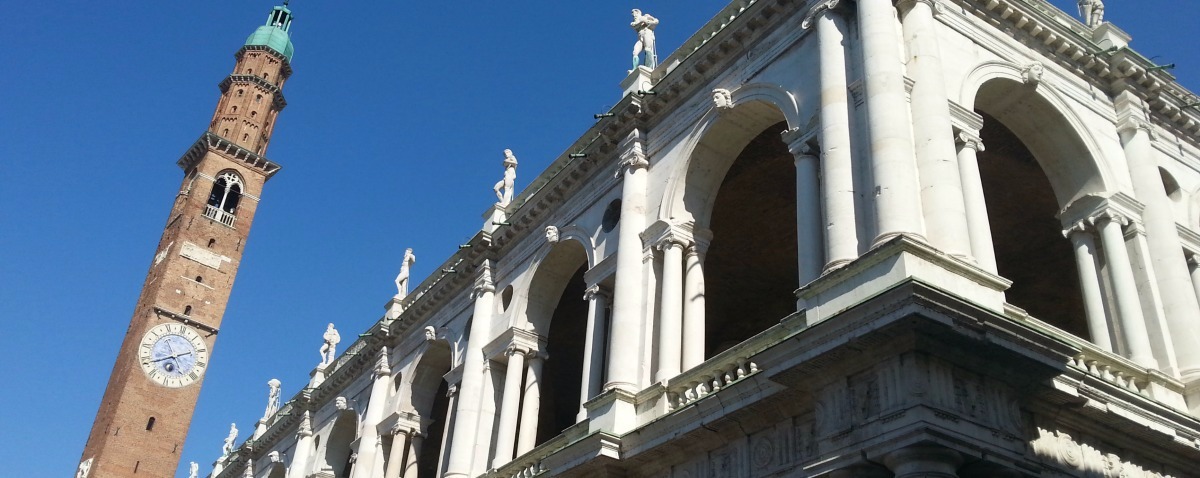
x,y
258,99
211,243
266,75
187,310
253,114
249,71
200,279
225,132
224,198
241,92
150,424
246,137
234,109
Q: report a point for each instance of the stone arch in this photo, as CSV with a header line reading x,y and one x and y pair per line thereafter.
x,y
1045,123
715,142
338,443
550,276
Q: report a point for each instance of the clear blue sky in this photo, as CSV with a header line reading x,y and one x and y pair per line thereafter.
x,y
397,115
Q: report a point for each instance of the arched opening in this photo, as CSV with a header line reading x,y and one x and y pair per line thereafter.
x,y
750,269
224,199
1034,165
337,447
150,424
430,399
187,310
556,311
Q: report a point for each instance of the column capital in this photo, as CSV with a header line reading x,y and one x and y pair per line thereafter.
x,y
383,367
516,349
799,144
1193,259
1132,124
452,390
1079,227
923,461
969,140
483,283
816,11
596,291
536,355
632,154
905,6
671,239
1111,215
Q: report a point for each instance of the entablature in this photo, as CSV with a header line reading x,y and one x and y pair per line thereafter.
x,y
213,142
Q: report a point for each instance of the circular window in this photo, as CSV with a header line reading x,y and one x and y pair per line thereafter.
x,y
612,216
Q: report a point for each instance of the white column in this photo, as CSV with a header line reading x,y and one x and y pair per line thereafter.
x,y
978,225
933,137
837,171
448,430
531,405
304,448
1194,269
893,168
809,233
1129,307
1089,285
693,308
396,457
470,400
626,329
369,440
593,348
412,465
1171,274
670,332
510,402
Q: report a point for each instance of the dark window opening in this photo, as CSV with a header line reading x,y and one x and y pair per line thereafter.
x,y
226,193
612,216
211,243
187,310
150,423
199,279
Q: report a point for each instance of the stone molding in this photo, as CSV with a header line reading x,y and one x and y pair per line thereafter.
x,y
513,341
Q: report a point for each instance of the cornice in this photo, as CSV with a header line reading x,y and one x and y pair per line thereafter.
x,y
277,93
210,141
286,71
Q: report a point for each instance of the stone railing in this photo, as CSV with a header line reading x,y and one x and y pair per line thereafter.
x,y
721,371
1110,367
216,214
533,463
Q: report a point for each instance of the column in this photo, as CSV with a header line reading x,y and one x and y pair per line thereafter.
x,y
448,430
978,225
1194,268
531,405
412,466
1129,307
396,462
933,137
670,332
626,329
1089,284
510,402
923,461
1169,272
466,417
593,348
809,238
304,448
369,441
837,171
894,171
693,308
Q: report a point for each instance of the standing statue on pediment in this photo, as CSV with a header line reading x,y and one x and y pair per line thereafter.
x,y
329,348
85,468
227,449
402,277
504,187
1092,12
193,470
644,24
272,398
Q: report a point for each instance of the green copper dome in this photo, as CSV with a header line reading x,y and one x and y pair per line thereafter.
x,y
274,34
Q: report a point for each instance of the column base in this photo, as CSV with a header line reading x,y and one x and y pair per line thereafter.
x,y
614,411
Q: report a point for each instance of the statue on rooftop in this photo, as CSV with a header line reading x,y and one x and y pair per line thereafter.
x,y
329,348
272,398
504,187
193,470
228,448
1092,12
402,278
644,24
85,467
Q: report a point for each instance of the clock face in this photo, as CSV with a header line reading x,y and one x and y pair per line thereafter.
x,y
173,355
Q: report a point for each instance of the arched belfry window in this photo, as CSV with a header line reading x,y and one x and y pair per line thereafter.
x,y
224,198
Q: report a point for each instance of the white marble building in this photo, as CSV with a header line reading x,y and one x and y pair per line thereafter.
x,y
823,238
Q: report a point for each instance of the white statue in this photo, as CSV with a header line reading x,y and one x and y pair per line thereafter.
x,y
228,448
1092,12
85,467
329,348
272,398
193,470
402,278
507,184
551,234
644,24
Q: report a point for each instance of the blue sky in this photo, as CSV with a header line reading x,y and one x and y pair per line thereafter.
x,y
397,115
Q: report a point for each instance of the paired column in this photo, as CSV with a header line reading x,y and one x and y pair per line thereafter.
x,y
412,466
693,308
1171,274
1089,284
809,236
670,332
594,342
979,227
509,406
304,447
897,194
941,186
623,357
470,399
370,445
1129,307
531,405
837,170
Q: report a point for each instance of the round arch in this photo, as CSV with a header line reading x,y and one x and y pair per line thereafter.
x,y
551,273
1045,123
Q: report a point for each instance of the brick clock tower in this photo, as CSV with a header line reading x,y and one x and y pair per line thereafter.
x,y
147,406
